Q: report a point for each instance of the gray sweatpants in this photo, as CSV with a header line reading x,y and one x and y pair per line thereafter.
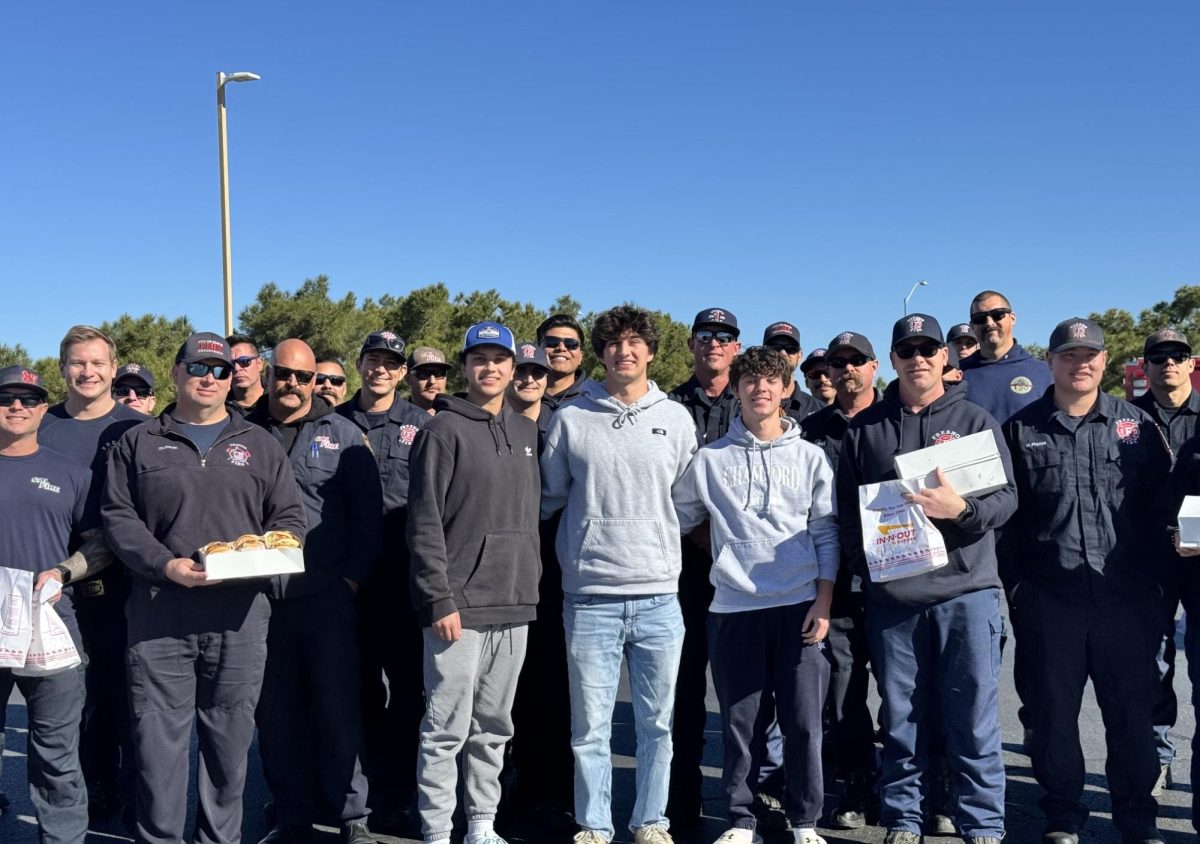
x,y
469,689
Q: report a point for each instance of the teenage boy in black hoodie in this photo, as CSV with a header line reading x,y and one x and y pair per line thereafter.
x,y
473,535
942,627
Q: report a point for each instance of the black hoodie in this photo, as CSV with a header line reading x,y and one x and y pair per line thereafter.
x,y
887,428
474,495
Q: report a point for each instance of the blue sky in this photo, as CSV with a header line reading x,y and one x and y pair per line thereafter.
x,y
798,160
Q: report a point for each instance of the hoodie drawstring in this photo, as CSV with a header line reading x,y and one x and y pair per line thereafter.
x,y
626,414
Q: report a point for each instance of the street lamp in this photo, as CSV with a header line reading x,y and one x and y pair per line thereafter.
x,y
921,283
222,143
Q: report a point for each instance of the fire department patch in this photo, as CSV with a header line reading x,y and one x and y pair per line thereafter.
x,y
1020,385
528,352
408,433
1078,330
916,323
29,377
844,339
944,437
238,454
1128,430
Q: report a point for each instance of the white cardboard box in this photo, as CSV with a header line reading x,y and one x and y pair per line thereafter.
x,y
1189,522
258,562
972,464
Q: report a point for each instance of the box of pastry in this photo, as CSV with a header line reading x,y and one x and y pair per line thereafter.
x,y
276,552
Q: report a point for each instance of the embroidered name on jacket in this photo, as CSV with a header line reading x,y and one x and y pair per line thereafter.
x,y
787,476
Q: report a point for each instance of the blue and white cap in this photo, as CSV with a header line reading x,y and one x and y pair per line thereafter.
x,y
489,334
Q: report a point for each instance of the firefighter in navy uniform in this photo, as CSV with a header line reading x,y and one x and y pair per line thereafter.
x,y
1086,603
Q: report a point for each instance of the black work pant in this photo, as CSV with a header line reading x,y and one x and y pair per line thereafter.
x,y
105,745
851,725
1062,645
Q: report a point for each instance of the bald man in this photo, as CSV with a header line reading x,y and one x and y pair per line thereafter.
x,y
312,686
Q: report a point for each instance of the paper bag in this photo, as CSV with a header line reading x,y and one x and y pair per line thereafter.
x,y
50,647
898,538
16,624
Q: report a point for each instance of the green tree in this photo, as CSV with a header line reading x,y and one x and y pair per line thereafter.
x,y
151,340
11,355
1124,336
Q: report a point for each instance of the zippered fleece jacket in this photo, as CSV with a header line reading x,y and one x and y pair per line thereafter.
x,y
773,517
164,499
473,516
614,467
887,428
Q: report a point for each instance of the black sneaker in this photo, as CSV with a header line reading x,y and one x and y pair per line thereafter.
x,y
853,805
356,832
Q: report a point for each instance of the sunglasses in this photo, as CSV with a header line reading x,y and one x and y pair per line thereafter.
x,y
705,336
245,360
335,380
964,341
219,371
430,374
995,315
27,400
302,376
1159,358
140,392
925,350
842,363
570,343
786,348
534,372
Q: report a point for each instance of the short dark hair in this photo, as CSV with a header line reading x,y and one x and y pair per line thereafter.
x,y
757,362
559,321
331,359
615,323
989,294
239,339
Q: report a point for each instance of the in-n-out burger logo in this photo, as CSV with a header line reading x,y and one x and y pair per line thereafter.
x,y
210,346
44,483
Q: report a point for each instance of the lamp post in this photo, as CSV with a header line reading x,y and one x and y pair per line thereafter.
x,y
921,283
223,154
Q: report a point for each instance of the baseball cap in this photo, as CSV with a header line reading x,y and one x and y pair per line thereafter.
x,y
815,358
20,376
1076,333
384,340
951,356
204,345
135,370
781,329
530,353
716,316
427,356
962,329
1166,337
851,340
921,326
489,334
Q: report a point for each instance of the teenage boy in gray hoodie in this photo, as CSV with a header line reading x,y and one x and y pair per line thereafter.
x,y
613,457
473,535
769,499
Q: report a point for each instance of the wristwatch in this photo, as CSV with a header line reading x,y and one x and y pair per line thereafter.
x,y
65,572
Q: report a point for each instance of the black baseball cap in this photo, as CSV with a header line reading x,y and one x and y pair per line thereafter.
x,y
851,340
815,358
530,353
136,371
921,326
1076,333
204,345
1165,337
781,329
384,340
962,329
716,316
21,376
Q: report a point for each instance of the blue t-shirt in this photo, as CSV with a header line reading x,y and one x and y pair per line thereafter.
x,y
203,436
45,505
87,440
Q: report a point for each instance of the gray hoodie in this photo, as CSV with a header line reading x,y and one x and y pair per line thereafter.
x,y
614,466
773,517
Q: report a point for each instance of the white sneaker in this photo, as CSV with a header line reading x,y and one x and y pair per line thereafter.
x,y
808,835
739,835
652,835
589,836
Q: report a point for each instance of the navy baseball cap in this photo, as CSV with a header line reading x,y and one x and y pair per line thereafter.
x,y
781,329
489,334
917,326
383,340
716,316
815,358
1165,337
1076,333
204,345
529,353
21,376
137,371
962,329
851,340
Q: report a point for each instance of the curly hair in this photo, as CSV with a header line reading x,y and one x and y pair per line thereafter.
x,y
759,362
616,322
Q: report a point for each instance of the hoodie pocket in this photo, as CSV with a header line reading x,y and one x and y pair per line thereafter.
x,y
765,567
506,574
614,549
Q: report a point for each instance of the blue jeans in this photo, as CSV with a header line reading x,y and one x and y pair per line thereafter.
x,y
648,632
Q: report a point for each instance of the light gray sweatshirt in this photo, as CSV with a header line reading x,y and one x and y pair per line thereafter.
x,y
772,513
613,467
